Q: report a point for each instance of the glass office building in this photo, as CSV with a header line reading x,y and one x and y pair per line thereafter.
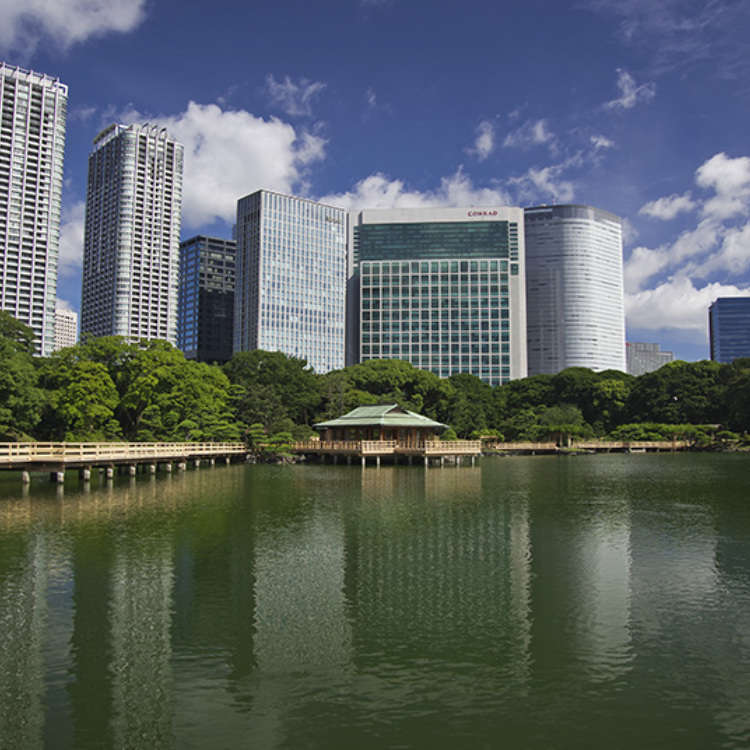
x,y
574,289
443,289
290,293
132,234
205,307
729,328
33,109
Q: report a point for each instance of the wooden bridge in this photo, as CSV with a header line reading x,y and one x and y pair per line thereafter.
x,y
57,457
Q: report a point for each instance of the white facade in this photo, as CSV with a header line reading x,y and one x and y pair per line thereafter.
x,y
574,289
66,328
643,357
290,288
33,110
443,288
132,235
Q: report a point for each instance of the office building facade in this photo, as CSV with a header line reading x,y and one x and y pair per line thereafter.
x,y
729,328
132,234
205,308
33,109
574,289
443,288
290,291
643,358
66,328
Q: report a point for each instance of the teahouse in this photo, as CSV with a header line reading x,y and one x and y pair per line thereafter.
x,y
382,422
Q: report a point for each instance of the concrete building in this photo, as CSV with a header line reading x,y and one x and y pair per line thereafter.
x,y
643,358
729,328
290,293
33,109
132,234
443,288
66,328
574,288
206,298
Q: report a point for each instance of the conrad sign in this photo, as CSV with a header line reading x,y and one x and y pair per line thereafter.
x,y
482,212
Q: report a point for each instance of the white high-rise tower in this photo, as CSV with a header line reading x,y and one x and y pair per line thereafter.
x,y
574,289
33,109
132,235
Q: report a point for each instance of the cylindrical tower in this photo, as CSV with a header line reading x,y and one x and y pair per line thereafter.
x,y
574,289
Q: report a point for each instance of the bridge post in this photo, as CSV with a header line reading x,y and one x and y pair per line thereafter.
x,y
197,463
58,476
349,460
377,461
426,462
212,462
442,461
473,458
335,459
364,462
182,466
227,460
25,477
110,472
168,467
152,468
132,469
85,474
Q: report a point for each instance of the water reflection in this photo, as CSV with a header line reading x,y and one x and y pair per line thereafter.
x,y
300,606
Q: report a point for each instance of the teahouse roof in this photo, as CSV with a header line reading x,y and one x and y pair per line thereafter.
x,y
385,415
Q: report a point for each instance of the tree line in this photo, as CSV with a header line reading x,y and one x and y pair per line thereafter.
x,y
108,389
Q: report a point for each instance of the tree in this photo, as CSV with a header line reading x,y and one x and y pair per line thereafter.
x,y
21,401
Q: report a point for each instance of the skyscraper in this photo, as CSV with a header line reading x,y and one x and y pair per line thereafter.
x,y
33,109
729,328
66,328
290,291
206,299
574,289
443,288
132,234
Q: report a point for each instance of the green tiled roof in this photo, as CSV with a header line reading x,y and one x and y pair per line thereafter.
x,y
386,415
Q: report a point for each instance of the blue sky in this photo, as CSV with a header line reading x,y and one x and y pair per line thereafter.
x,y
636,106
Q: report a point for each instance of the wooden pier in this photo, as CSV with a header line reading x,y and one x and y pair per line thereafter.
x,y
57,457
392,449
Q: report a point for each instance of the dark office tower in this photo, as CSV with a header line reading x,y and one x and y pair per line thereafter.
x,y
205,308
729,327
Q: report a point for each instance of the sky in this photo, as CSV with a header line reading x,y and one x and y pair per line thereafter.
x,y
635,106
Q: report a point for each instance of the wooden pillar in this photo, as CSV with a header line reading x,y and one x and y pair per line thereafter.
x,y
132,470
168,467
25,477
85,474
110,472
152,468
472,460
442,461
182,466
364,462
377,461
426,462
197,463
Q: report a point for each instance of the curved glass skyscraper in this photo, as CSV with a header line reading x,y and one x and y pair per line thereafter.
x,y
574,289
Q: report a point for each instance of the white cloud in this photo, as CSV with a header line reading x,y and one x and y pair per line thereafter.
x,y
63,304
730,179
378,191
644,263
676,303
629,232
531,133
668,207
372,99
231,153
630,94
294,99
71,239
546,183
484,143
733,256
601,142
64,22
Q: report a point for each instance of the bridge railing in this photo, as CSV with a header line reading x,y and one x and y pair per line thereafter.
x,y
14,453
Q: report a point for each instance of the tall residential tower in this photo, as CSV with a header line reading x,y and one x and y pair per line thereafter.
x,y
443,288
574,289
290,291
132,235
33,109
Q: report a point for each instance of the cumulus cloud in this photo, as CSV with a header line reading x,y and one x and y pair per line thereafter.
x,y
484,144
294,99
378,191
63,304
676,303
63,22
630,93
546,183
730,179
371,98
230,153
668,207
71,239
530,134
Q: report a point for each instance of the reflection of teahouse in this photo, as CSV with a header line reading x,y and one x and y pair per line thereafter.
x,y
382,422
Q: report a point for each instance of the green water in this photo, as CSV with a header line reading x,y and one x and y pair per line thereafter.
x,y
540,602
